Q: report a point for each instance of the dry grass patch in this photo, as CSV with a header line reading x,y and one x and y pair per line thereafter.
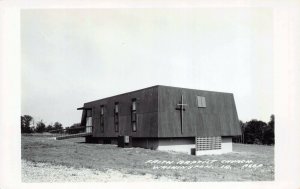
x,y
75,154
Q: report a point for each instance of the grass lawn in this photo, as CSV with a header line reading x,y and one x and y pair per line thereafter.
x,y
74,153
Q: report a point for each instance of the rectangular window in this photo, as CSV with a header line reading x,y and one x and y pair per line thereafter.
x,y
101,110
134,126
117,107
133,115
133,104
116,116
201,102
102,119
89,123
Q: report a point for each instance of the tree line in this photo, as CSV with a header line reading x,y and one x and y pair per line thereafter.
x,y
28,125
253,132
257,132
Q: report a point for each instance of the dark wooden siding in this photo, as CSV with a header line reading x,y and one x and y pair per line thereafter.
x,y
157,115
146,114
218,118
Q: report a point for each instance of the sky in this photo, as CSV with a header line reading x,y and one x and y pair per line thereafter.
x,y
72,56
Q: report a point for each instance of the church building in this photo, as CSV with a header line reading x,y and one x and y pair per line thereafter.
x,y
164,118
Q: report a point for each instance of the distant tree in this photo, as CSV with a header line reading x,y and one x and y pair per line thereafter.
x,y
254,132
57,126
257,132
25,124
239,139
49,128
40,127
272,121
269,132
243,127
75,125
74,128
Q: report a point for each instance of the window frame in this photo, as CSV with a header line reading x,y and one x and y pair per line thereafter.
x,y
102,119
89,120
116,116
201,102
134,115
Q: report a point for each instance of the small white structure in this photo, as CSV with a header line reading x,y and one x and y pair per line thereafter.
x,y
213,145
199,146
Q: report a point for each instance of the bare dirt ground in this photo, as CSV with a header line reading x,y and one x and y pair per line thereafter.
x,y
45,159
